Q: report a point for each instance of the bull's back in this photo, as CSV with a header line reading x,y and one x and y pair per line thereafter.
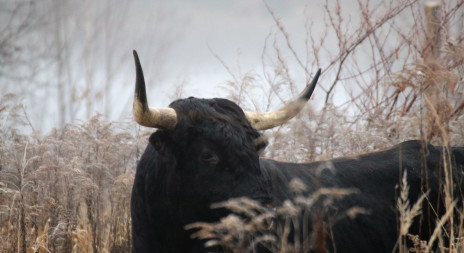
x,y
376,176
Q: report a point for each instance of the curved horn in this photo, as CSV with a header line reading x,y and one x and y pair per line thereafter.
x,y
164,118
267,120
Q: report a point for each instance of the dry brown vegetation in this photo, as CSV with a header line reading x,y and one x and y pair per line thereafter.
x,y
69,190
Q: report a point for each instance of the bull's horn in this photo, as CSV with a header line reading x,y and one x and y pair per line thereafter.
x,y
266,120
164,118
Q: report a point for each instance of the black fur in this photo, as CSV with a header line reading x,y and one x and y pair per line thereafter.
x,y
211,156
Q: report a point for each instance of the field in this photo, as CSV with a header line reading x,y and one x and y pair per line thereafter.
x,y
68,190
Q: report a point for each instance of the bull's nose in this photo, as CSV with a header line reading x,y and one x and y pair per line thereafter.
x,y
269,209
264,201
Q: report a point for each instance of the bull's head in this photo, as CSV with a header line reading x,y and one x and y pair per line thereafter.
x,y
166,118
206,150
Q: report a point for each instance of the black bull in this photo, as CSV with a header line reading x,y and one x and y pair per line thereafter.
x,y
210,154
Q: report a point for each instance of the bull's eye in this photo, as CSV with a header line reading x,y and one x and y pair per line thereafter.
x,y
209,157
206,156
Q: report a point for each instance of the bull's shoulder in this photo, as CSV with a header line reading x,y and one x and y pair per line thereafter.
x,y
458,155
410,151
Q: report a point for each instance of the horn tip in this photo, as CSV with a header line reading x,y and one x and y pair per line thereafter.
x,y
308,91
136,56
318,73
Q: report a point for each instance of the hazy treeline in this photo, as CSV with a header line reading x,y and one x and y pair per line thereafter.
x,y
67,60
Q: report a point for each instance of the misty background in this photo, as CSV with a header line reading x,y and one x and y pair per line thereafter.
x,y
391,71
68,60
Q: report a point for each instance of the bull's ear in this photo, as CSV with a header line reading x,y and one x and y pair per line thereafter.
x,y
160,141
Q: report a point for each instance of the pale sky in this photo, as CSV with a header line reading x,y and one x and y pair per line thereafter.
x,y
234,30
177,42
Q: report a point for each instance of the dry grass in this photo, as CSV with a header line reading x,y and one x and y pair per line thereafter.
x,y
69,190
253,226
407,213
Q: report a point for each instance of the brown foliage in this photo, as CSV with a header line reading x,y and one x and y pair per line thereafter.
x,y
68,191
